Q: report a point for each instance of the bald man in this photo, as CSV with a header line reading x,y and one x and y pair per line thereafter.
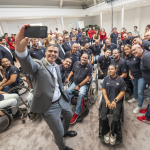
x,y
144,55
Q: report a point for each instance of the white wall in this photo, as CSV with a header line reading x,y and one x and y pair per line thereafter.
x,y
137,16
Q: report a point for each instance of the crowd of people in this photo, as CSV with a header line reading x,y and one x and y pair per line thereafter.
x,y
50,62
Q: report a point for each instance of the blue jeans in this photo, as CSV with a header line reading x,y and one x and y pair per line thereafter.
x,y
147,115
96,58
6,88
82,92
139,86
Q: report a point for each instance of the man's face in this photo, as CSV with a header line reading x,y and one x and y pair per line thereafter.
x,y
3,42
76,32
89,28
135,28
114,30
93,28
84,59
60,40
83,33
115,54
5,62
75,48
129,34
136,41
124,30
147,36
136,51
107,42
67,39
51,54
73,39
96,42
87,45
125,36
107,53
122,47
67,63
35,42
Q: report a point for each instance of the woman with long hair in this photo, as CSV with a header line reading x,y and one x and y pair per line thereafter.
x,y
135,75
46,42
96,36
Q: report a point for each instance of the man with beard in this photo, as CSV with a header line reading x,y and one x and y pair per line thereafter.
x,y
37,52
12,76
84,39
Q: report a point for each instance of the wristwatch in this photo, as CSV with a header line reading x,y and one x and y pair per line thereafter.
x,y
115,100
79,86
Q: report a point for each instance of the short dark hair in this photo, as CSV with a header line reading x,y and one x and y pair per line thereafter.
x,y
129,32
53,45
86,54
113,66
135,27
1,38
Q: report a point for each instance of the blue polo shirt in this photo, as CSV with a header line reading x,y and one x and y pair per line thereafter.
x,y
114,37
81,72
89,52
146,45
145,66
104,62
112,46
113,87
133,64
121,66
37,53
73,57
84,40
96,49
12,70
129,41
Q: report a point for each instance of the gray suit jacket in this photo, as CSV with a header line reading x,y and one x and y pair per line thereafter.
x,y
43,83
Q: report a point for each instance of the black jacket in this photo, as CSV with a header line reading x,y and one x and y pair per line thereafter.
x,y
66,47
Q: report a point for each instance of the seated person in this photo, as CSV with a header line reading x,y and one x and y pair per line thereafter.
x,y
82,71
113,90
37,52
103,63
86,49
9,100
120,64
74,55
96,49
64,67
12,76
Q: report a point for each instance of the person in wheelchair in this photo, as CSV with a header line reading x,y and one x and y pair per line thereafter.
x,y
8,100
103,63
82,71
12,76
113,90
64,68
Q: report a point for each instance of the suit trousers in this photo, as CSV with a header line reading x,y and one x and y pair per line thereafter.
x,y
52,118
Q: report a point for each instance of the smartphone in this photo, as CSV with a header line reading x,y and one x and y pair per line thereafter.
x,y
35,32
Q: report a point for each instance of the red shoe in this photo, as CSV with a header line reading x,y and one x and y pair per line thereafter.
x,y
143,111
143,119
74,118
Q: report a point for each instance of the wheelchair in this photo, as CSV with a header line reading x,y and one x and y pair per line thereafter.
x,y
110,112
129,91
6,119
89,99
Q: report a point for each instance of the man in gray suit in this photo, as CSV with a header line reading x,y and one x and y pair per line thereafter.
x,y
49,97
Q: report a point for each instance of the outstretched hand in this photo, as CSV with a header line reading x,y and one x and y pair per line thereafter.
x,y
21,41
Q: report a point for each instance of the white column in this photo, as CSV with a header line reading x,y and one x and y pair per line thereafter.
x,y
122,17
101,19
62,22
138,19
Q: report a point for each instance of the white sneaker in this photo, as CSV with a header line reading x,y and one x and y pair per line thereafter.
x,y
137,110
132,100
106,138
113,139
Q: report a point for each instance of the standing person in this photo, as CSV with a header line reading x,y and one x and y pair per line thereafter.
x,y
93,32
6,38
96,36
50,100
83,39
100,31
66,45
89,33
135,32
135,75
122,32
114,36
144,55
103,35
11,45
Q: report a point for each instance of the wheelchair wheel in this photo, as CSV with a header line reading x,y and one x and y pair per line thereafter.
x,y
24,83
5,121
23,92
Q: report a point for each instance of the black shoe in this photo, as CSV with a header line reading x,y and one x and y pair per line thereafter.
x,y
68,148
71,134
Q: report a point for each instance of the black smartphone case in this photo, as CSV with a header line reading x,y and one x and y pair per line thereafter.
x,y
35,32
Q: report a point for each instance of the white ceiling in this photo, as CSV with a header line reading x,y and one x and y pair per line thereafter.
x,y
50,3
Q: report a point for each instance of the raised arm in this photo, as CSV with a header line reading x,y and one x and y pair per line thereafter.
x,y
25,60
